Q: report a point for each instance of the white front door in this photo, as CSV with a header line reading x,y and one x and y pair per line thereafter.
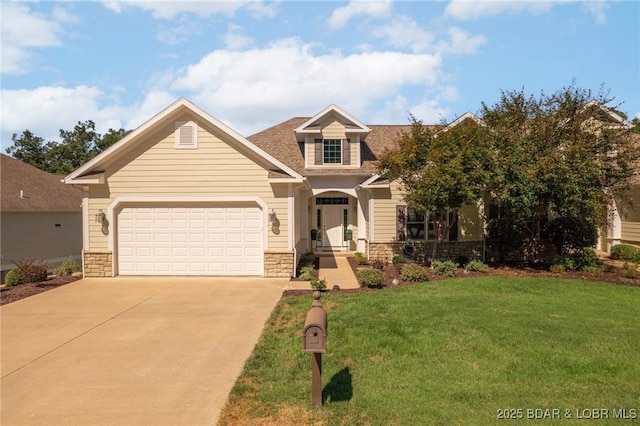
x,y
332,218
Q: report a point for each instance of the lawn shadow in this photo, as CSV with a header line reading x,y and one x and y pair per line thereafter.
x,y
339,388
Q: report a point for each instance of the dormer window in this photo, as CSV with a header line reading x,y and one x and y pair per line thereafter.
x,y
332,151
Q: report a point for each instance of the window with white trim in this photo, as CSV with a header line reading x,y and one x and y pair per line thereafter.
x,y
412,225
186,135
332,151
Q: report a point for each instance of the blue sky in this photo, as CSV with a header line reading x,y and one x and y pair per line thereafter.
x,y
255,64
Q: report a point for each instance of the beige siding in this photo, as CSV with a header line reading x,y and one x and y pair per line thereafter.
x,y
384,206
333,129
632,214
27,235
155,168
355,150
386,200
631,232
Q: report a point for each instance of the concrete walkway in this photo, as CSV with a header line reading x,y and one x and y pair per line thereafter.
x,y
130,351
335,269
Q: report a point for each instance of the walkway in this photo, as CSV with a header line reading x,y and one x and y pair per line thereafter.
x,y
335,269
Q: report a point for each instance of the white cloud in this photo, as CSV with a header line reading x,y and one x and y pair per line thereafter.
x,y
597,9
238,84
168,9
342,15
404,32
466,10
460,42
179,33
23,30
234,39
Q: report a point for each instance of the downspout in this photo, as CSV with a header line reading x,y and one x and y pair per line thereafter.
x,y
292,228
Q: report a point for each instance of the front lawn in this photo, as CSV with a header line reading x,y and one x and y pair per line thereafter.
x,y
451,352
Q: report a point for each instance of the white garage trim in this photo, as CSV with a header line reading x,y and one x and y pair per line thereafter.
x,y
121,202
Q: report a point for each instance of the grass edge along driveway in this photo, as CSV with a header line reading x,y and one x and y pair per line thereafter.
x,y
452,352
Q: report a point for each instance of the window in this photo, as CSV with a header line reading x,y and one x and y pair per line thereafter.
x,y
412,225
323,201
332,151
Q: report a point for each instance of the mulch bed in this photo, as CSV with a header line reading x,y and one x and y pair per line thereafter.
x,y
514,270
11,294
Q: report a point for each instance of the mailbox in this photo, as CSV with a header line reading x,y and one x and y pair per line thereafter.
x,y
314,334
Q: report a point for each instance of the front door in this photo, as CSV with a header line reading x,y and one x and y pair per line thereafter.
x,y
333,228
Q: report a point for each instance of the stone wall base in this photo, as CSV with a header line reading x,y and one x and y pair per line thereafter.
x,y
423,250
278,264
98,264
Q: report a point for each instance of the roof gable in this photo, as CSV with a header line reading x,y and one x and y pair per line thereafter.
x,y
90,172
331,113
27,188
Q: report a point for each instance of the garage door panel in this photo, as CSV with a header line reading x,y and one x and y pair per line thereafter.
x,y
190,240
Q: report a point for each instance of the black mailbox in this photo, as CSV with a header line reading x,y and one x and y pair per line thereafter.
x,y
314,335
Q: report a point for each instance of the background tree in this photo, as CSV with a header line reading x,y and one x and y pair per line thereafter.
x,y
75,148
439,171
30,149
559,154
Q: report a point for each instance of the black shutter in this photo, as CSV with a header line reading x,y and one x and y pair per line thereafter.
x,y
401,223
346,152
318,152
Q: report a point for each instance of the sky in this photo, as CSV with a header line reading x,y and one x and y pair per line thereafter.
x,y
253,64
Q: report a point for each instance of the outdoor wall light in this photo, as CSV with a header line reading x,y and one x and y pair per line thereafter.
x,y
272,216
100,216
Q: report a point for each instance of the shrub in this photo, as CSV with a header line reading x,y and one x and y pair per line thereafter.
x,y
32,270
565,261
319,284
557,268
570,233
68,267
578,261
592,271
371,278
397,259
625,252
477,266
447,267
504,235
414,272
629,271
13,277
379,264
361,259
307,273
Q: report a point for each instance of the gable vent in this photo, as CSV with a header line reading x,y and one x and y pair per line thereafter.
x,y
186,135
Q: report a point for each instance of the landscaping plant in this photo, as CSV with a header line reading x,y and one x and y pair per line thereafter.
x,y
319,284
13,277
307,273
361,259
67,267
371,278
476,266
625,252
413,272
447,267
32,270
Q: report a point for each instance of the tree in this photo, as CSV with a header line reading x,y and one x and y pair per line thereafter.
x,y
30,149
439,171
559,154
75,148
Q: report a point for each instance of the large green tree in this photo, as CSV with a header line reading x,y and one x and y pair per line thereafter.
x,y
439,169
75,147
561,154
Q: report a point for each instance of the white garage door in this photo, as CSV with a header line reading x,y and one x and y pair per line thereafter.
x,y
190,241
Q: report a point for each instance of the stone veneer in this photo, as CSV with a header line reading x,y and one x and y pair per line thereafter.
x,y
278,264
98,264
446,250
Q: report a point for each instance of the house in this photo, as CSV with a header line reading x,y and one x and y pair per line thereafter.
x,y
40,216
184,194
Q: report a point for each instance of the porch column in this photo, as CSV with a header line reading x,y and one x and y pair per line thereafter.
x,y
363,210
614,230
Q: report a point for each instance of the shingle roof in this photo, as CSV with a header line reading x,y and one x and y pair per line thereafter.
x,y
41,191
281,142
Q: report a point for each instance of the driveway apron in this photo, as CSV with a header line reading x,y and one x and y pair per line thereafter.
x,y
130,351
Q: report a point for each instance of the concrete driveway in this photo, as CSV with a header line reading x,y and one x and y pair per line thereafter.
x,y
130,351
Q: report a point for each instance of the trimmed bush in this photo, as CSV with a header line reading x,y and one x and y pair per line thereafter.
x,y
592,271
476,266
414,272
371,278
13,277
578,261
629,271
319,284
397,259
361,259
32,270
68,267
448,267
557,268
307,273
625,252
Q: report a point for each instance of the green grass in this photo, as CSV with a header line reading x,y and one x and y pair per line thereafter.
x,y
449,352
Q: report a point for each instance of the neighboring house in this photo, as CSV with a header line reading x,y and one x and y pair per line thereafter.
x,y
184,194
40,216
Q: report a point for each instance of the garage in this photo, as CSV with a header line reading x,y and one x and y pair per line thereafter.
x,y
190,240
